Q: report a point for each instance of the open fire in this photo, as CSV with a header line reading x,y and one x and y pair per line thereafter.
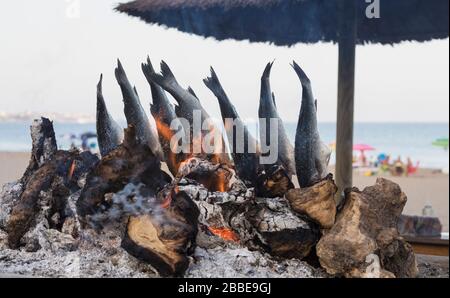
x,y
213,201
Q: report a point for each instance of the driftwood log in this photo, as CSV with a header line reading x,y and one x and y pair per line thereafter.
x,y
317,202
43,146
165,236
364,242
59,172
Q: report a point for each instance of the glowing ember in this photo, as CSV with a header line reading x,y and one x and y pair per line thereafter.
x,y
224,233
166,203
71,170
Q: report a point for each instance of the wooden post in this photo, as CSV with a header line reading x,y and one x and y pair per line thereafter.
x,y
346,87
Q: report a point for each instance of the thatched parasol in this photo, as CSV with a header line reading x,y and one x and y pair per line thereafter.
x,y
287,22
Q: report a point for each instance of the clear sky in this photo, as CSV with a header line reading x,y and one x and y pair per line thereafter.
x,y
51,59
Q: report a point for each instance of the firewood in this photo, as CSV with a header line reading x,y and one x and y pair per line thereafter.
x,y
281,232
273,182
165,236
366,232
214,176
129,162
43,146
317,201
57,175
266,224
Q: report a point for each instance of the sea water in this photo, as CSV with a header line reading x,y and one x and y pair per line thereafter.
x,y
412,140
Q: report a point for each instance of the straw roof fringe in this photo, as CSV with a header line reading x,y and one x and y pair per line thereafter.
x,y
287,22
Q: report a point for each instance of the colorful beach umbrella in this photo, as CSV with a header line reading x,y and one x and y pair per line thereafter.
x,y
288,22
442,142
362,147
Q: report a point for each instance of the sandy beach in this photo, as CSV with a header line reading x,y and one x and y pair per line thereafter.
x,y
426,186
12,165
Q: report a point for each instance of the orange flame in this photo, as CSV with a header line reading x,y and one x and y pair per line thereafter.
x,y
173,160
71,170
224,233
165,132
221,183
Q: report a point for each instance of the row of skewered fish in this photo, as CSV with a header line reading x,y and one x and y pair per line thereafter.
x,y
308,159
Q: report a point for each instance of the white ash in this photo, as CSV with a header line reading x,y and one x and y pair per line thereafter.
x,y
132,200
275,217
9,194
63,256
210,203
238,262
51,253
71,225
70,253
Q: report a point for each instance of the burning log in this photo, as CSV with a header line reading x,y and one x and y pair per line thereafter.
x,y
23,213
43,146
130,162
165,236
60,176
215,177
365,235
273,182
259,223
317,201
49,170
279,230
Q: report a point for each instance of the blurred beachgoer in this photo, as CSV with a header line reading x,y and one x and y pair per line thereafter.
x,y
410,168
363,159
399,167
381,157
384,163
373,161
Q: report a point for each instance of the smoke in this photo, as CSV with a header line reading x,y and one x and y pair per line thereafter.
x,y
132,200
